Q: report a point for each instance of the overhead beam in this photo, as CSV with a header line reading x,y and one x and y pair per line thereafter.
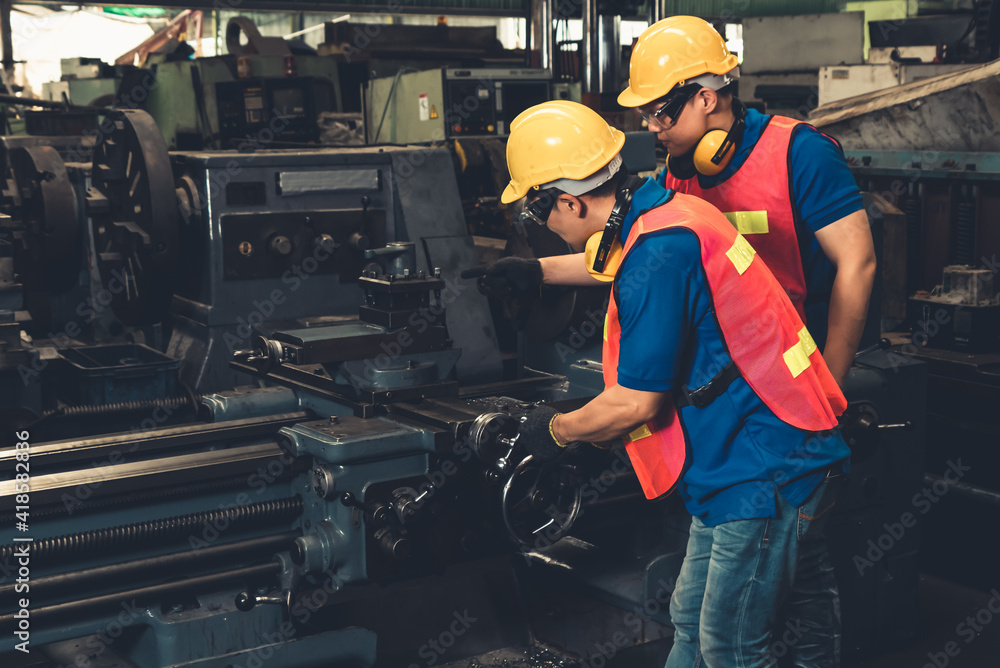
x,y
502,8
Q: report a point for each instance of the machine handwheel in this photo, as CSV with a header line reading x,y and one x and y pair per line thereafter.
x,y
541,501
490,434
48,259
133,203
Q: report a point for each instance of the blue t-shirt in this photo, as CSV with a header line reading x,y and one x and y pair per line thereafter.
x,y
824,191
740,454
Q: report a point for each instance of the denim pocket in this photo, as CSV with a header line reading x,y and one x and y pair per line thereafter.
x,y
814,512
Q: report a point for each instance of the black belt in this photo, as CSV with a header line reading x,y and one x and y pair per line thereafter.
x,y
706,394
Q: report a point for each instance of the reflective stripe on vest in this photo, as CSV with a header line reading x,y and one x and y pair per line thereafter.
x,y
765,337
757,200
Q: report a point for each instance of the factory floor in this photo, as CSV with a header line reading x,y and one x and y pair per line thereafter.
x,y
946,639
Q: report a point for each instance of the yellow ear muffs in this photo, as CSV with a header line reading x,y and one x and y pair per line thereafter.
x,y
614,258
714,150
706,158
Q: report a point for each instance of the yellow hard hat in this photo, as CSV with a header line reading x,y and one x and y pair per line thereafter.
x,y
670,52
557,140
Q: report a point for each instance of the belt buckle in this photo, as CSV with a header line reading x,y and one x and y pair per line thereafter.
x,y
699,397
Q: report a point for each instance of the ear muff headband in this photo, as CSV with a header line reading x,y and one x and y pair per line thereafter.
x,y
623,201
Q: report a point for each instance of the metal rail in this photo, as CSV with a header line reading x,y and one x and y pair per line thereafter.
x,y
157,565
100,448
83,607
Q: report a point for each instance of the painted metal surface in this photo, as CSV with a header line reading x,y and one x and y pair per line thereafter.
x,y
950,112
952,165
801,43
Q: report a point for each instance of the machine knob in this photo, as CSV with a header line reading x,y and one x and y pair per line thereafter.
x,y
378,514
281,246
325,242
360,241
394,545
245,601
323,482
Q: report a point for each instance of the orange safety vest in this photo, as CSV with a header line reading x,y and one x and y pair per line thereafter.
x,y
757,199
764,335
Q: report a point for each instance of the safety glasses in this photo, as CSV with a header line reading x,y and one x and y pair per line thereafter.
x,y
537,210
667,113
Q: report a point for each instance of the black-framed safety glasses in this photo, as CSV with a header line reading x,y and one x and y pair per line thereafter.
x,y
537,210
668,112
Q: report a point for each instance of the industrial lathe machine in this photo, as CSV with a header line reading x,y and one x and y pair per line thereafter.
x,y
253,417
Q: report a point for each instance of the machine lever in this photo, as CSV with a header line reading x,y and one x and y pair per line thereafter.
x,y
902,425
245,601
504,463
350,500
883,344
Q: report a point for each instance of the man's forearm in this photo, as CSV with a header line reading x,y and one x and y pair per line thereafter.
x,y
612,414
848,244
848,310
566,270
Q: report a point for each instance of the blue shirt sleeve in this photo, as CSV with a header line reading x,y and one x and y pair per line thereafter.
x,y
657,296
824,188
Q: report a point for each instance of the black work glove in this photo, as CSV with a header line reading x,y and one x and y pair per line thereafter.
x,y
535,434
509,277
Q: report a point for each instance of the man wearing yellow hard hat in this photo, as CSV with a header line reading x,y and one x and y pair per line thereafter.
x,y
783,184
711,379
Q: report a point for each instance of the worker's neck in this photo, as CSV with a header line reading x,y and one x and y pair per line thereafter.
x,y
600,212
721,118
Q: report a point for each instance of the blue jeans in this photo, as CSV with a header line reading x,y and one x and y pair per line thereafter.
x,y
739,578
